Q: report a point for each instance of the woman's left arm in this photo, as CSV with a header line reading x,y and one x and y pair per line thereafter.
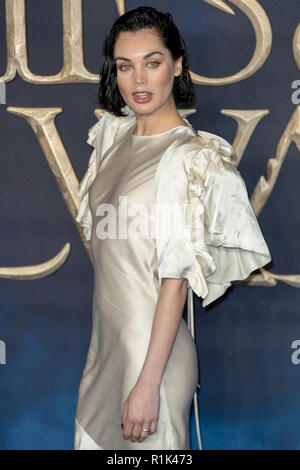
x,y
142,404
166,321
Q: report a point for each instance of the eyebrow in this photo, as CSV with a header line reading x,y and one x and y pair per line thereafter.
x,y
145,57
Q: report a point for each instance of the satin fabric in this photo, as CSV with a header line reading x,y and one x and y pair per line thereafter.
x,y
126,289
221,242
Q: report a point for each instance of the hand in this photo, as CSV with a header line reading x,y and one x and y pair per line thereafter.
x,y
141,411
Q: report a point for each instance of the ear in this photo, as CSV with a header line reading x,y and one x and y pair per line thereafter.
x,y
178,67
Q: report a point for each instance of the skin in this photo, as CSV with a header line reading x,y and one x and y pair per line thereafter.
x,y
141,408
154,74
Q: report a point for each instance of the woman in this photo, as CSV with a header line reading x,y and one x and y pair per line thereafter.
x,y
141,371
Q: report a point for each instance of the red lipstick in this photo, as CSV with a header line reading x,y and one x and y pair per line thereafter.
x,y
142,96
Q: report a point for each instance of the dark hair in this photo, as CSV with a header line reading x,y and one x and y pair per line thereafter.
x,y
144,17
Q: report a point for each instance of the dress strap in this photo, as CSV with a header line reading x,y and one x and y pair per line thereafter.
x,y
191,327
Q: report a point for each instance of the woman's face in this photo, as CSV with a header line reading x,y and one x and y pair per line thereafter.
x,y
144,64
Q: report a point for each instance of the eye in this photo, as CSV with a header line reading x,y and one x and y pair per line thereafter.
x,y
156,64
122,67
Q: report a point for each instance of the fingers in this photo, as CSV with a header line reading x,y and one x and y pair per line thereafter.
x,y
132,430
143,434
153,426
127,428
135,432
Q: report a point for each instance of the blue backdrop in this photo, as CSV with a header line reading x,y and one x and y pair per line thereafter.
x,y
249,383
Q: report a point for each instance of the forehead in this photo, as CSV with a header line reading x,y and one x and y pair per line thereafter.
x,y
138,43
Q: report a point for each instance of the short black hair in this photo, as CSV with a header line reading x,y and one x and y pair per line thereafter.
x,y
144,17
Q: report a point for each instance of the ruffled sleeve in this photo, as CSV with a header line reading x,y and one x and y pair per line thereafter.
x,y
100,136
212,237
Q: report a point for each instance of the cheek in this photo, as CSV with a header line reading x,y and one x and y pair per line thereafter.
x,y
164,80
120,81
123,82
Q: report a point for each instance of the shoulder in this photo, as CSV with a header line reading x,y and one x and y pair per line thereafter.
x,y
204,156
109,125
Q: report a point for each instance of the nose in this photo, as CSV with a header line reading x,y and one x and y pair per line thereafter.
x,y
139,75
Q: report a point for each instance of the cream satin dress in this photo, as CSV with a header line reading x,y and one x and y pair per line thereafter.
x,y
222,242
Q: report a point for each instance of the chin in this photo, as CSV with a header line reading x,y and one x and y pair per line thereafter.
x,y
145,108
142,109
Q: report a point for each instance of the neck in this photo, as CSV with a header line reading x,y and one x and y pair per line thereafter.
x,y
157,122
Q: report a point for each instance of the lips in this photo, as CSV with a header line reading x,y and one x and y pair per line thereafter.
x,y
142,97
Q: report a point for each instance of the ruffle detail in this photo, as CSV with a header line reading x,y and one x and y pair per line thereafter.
x,y
84,216
100,136
226,238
